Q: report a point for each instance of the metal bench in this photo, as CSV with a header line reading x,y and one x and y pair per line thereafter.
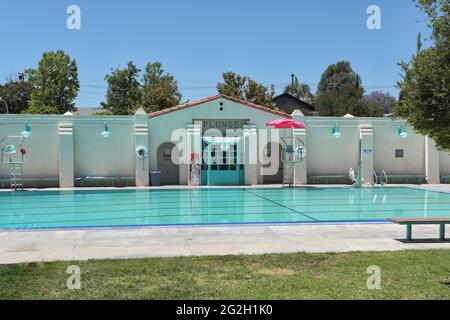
x,y
442,222
96,181
340,179
407,179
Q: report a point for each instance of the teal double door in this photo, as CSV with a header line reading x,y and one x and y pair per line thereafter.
x,y
222,165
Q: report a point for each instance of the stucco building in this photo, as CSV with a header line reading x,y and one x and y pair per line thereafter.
x,y
218,141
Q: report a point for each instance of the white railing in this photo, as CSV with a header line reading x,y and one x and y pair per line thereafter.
x,y
384,175
351,174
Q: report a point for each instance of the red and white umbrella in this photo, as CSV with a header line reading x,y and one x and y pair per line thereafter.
x,y
285,123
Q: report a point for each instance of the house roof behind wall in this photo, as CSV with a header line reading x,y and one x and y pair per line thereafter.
x,y
216,97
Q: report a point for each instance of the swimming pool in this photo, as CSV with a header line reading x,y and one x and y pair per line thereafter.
x,y
119,208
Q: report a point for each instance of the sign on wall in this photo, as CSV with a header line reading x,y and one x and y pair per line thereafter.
x,y
223,124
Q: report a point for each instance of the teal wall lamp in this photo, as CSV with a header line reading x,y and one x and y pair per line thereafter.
x,y
336,131
26,133
106,133
402,133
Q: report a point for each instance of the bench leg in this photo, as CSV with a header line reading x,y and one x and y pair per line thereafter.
x,y
442,232
409,232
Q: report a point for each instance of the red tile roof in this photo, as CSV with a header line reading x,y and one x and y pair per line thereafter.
x,y
219,96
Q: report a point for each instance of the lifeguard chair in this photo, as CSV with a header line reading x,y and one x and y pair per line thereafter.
x,y
13,154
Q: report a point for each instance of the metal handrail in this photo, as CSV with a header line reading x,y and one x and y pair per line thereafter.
x,y
375,176
383,174
351,174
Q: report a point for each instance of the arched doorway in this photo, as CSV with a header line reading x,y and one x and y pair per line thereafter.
x,y
170,174
273,167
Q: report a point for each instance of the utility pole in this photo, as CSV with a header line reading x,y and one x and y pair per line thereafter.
x,y
292,83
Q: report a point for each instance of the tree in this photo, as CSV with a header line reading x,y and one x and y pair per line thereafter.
x,y
425,86
247,89
123,95
382,99
16,93
159,91
233,85
338,77
300,90
55,84
340,92
338,104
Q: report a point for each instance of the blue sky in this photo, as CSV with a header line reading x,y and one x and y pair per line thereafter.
x,y
198,40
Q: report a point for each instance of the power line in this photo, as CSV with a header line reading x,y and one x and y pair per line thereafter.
x,y
279,85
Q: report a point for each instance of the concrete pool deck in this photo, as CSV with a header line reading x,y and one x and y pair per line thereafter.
x,y
34,246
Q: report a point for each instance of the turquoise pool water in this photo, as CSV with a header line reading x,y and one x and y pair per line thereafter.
x,y
79,209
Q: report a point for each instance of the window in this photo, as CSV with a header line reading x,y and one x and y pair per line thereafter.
x,y
399,153
167,154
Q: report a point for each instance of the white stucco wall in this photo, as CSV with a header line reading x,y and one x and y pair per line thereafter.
x,y
42,146
96,156
386,141
444,162
93,154
327,155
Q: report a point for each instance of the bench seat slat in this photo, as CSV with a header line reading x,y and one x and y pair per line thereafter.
x,y
420,220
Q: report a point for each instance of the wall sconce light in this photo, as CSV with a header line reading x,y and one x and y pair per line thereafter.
x,y
9,149
106,133
336,131
402,132
26,133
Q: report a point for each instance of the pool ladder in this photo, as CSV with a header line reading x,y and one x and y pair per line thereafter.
x,y
383,175
15,171
382,179
288,174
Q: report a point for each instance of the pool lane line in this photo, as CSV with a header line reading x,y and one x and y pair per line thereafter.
x,y
394,210
150,217
21,201
152,205
293,210
42,194
199,225
145,195
123,210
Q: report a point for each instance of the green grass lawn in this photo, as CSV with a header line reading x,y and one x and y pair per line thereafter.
x,y
405,275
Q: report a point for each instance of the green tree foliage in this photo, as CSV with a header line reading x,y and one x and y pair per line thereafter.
x,y
16,93
126,92
300,90
339,103
55,84
233,85
425,86
246,89
340,92
103,113
123,95
338,77
159,90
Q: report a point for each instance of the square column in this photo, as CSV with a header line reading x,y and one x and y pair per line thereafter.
x,y
250,156
66,159
298,136
366,154
300,169
141,166
431,162
194,147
